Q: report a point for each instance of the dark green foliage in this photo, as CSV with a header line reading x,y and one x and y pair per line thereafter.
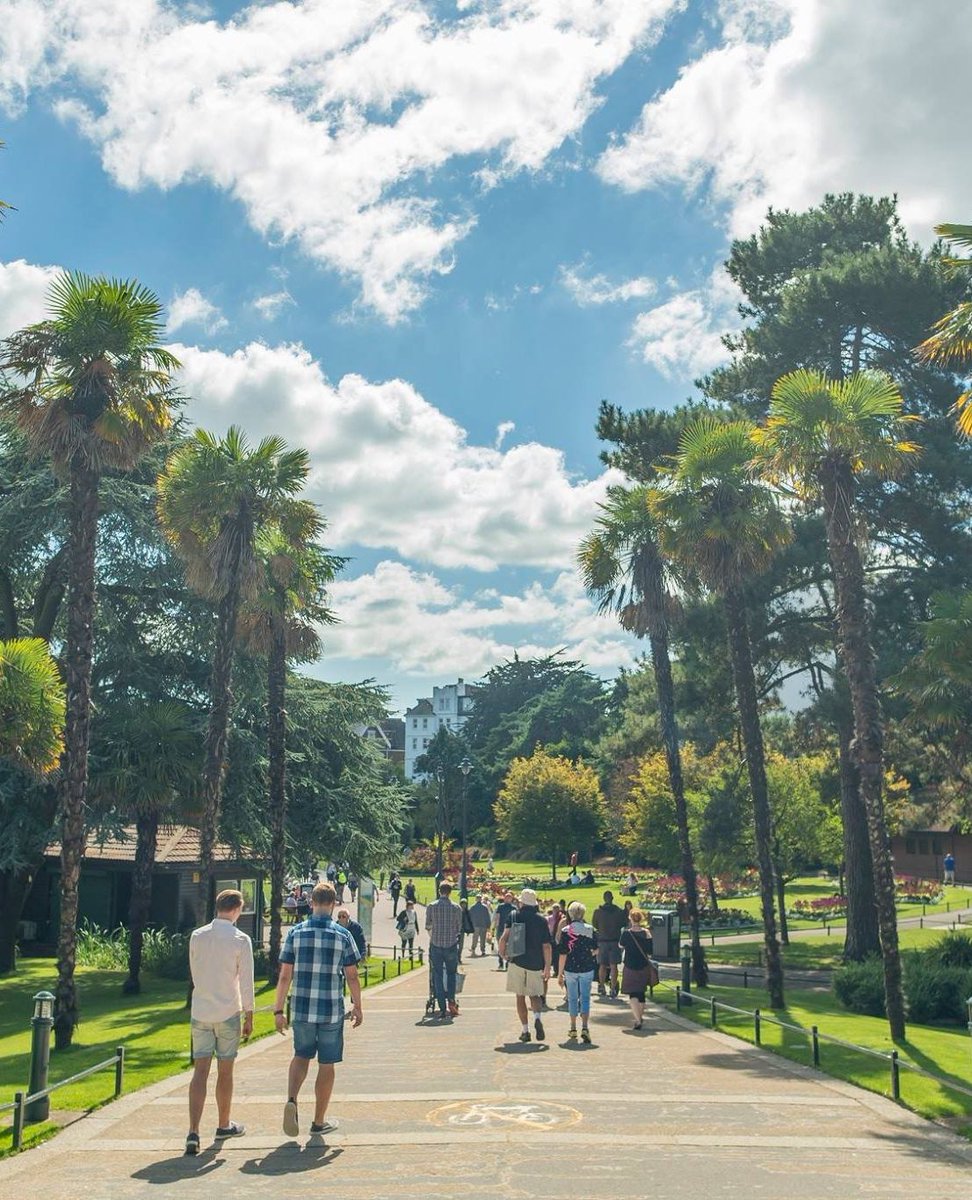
x,y
936,993
954,950
859,986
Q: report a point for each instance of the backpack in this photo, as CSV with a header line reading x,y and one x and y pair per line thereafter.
x,y
516,942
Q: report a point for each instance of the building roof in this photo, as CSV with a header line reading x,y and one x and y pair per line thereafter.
x,y
178,846
394,731
422,708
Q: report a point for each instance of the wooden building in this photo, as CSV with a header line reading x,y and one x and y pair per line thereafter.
x,y
921,853
104,893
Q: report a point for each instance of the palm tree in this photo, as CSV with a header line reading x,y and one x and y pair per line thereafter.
x,y
624,572
91,389
820,435
31,705
950,343
723,525
216,497
151,753
282,623
938,680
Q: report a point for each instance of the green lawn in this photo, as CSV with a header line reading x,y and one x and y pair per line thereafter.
x,y
946,1050
153,1028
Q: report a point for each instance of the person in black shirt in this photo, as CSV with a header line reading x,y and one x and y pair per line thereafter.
x,y
504,914
395,891
529,969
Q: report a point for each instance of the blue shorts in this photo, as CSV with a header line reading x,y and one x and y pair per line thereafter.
x,y
326,1040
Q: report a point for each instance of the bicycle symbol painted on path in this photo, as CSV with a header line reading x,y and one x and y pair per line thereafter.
x,y
492,1114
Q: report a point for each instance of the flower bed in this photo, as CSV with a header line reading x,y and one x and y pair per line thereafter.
x,y
725,918
821,908
908,890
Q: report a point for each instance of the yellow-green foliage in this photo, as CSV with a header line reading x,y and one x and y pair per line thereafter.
x,y
31,704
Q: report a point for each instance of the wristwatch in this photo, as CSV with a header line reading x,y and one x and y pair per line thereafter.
x,y
278,1012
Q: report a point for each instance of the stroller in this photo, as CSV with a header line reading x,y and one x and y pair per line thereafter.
x,y
430,1004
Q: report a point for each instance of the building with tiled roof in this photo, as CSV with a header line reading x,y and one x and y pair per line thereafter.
x,y
448,707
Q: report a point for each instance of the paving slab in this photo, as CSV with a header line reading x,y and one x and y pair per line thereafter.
x,y
462,1109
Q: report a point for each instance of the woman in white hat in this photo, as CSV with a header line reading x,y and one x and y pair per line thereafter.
x,y
578,959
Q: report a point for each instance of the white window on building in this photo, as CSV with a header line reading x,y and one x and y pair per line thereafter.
x,y
425,722
415,722
414,743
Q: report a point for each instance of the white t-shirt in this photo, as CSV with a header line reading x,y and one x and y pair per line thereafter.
x,y
221,965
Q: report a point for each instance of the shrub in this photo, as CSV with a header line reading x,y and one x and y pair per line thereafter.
x,y
860,987
936,993
164,953
954,950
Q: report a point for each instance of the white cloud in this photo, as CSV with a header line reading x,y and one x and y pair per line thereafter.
x,y
589,290
420,626
503,431
327,121
394,472
682,338
23,293
192,308
807,96
270,306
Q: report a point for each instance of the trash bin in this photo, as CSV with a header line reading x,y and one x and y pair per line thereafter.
x,y
666,932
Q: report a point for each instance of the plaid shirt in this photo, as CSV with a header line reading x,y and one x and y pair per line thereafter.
x,y
318,949
443,920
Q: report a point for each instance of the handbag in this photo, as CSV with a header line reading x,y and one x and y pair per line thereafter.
x,y
516,942
460,981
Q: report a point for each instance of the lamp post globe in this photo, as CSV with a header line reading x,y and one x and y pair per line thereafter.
x,y
465,767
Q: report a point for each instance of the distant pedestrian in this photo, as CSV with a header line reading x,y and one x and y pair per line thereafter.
x,y
529,968
303,904
353,886
949,865
290,906
443,923
331,872
480,916
637,976
554,920
381,882
345,920
628,906
395,891
317,958
578,960
410,892
608,921
407,925
489,865
221,969
501,920
467,929
340,883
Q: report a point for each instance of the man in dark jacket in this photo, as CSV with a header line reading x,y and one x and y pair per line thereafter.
x,y
344,918
608,921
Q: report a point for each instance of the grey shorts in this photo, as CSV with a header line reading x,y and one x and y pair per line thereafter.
x,y
608,954
221,1038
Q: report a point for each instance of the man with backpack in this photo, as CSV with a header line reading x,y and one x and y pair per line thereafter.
x,y
526,943
608,921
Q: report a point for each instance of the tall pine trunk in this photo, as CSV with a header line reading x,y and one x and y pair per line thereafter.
x,y
744,680
15,884
863,938
83,533
277,774
868,746
781,904
217,735
146,845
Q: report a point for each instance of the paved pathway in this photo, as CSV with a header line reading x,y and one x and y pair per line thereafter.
x,y
461,1109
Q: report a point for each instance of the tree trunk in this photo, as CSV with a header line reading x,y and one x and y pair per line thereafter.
x,y
74,783
712,895
277,777
665,687
862,938
146,844
868,746
14,889
217,736
781,904
744,680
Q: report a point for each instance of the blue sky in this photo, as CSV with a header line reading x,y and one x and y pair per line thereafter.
x,y
426,239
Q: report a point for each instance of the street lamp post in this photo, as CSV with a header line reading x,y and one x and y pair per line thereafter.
x,y
465,767
439,821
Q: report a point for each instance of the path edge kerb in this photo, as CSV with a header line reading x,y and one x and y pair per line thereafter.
x,y
89,1126
882,1106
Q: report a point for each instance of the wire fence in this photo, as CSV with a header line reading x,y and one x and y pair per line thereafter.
x,y
21,1101
812,1037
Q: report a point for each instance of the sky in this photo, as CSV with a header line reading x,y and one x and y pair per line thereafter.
x,y
425,238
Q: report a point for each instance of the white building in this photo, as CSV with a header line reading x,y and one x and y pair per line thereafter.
x,y
449,707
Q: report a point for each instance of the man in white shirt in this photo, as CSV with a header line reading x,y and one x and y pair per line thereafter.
x,y
221,965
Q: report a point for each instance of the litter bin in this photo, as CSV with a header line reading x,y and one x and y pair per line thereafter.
x,y
666,932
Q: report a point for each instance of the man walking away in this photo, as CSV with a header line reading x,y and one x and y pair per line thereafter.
x,y
480,917
608,921
353,885
407,925
346,921
949,865
317,957
443,922
504,914
530,969
467,929
395,890
410,892
221,966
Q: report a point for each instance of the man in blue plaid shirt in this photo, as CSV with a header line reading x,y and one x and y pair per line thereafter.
x,y
317,957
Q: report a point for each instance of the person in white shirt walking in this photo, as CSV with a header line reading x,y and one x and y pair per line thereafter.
x,y
221,966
